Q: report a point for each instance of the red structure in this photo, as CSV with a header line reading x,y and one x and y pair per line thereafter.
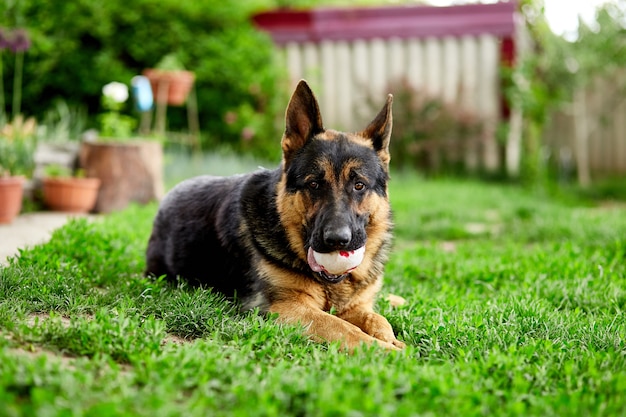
x,y
454,52
323,24
316,25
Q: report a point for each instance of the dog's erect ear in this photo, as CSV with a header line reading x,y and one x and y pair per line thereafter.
x,y
302,120
379,131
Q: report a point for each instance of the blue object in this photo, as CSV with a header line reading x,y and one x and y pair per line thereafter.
x,y
142,92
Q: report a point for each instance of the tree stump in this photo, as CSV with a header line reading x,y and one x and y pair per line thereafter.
x,y
128,171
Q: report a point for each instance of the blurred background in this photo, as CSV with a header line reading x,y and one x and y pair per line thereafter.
x,y
530,91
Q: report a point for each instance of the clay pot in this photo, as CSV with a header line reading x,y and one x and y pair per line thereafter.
x,y
74,195
11,194
171,87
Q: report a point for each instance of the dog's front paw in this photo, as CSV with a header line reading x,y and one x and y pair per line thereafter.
x,y
398,344
390,339
379,328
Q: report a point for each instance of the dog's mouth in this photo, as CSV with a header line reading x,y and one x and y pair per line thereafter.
x,y
335,273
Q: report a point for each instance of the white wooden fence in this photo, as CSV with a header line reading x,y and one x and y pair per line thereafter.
x,y
587,138
350,58
347,76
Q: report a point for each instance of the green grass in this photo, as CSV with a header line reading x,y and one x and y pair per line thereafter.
x,y
515,306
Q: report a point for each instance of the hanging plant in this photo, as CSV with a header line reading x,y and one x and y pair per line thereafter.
x,y
170,82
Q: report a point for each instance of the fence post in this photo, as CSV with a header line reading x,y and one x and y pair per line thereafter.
x,y
581,132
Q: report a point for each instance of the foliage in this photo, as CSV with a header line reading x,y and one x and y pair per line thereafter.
x,y
79,46
170,62
17,41
62,123
57,171
515,306
17,145
61,171
547,76
113,124
556,67
424,127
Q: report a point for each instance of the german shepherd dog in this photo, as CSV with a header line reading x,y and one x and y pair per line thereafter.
x,y
258,237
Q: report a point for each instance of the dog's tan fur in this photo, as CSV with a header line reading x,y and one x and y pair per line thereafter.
x,y
301,300
250,236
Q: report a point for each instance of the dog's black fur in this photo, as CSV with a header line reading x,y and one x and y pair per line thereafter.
x,y
248,235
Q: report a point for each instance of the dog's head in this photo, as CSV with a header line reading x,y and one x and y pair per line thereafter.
x,y
333,192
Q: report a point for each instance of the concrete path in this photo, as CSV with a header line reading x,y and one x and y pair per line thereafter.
x,y
28,230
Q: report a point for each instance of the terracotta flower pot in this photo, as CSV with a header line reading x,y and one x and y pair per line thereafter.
x,y
74,195
11,193
176,85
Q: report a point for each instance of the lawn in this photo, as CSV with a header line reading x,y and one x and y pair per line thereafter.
x,y
515,306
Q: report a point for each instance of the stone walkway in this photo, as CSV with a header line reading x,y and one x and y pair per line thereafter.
x,y
28,230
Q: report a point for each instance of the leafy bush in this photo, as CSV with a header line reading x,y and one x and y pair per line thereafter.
x,y
428,133
80,46
17,144
553,69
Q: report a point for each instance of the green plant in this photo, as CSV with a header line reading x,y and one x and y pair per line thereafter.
x,y
429,134
19,45
234,63
18,41
548,76
113,124
4,44
62,123
60,171
170,62
17,146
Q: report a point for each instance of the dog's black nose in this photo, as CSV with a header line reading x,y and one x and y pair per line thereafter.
x,y
337,237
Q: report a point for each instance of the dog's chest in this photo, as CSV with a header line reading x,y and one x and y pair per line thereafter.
x,y
339,296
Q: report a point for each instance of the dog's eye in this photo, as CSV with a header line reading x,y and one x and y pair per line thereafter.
x,y
314,185
359,186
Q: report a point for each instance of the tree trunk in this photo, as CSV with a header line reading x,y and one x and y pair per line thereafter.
x,y
128,171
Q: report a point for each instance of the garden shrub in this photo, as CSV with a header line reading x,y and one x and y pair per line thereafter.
x,y
79,46
428,133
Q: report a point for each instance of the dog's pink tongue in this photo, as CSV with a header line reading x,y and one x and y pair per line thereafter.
x,y
312,262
